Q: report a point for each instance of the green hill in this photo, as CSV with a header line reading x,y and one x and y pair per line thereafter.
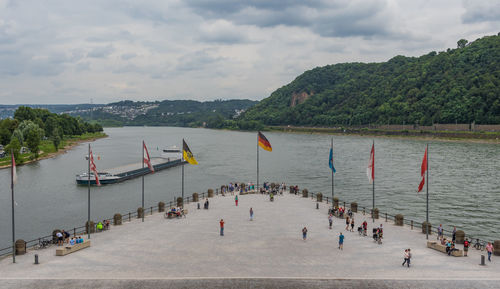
x,y
458,85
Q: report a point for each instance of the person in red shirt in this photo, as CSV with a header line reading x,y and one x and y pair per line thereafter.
x,y
222,227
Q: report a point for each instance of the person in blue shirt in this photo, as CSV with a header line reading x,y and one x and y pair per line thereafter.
x,y
72,241
341,241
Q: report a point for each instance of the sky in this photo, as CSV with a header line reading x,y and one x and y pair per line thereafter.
x,y
67,52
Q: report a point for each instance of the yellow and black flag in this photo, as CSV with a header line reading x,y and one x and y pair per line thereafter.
x,y
188,155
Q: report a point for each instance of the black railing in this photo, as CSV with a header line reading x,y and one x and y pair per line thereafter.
x,y
82,229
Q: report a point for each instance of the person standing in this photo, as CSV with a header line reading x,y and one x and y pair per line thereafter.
x,y
60,238
251,214
347,223
454,234
489,249
440,231
222,227
405,256
352,224
341,241
466,246
236,200
304,233
330,220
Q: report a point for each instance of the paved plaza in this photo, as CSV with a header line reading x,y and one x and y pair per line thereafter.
x,y
181,252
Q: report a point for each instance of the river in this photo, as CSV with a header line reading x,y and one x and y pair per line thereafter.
x,y
464,177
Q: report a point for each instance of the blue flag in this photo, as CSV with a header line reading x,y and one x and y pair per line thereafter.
x,y
330,161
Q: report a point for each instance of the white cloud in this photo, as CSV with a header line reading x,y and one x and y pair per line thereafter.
x,y
69,52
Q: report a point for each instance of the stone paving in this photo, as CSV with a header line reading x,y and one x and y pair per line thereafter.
x,y
266,248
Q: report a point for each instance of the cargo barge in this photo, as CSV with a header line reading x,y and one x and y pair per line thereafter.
x,y
123,173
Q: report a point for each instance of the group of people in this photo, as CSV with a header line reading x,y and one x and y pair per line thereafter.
x,y
104,225
76,240
63,237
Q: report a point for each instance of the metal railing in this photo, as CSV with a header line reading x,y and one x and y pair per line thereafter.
x,y
82,229
134,214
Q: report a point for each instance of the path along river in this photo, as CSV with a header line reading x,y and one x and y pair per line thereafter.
x,y
464,177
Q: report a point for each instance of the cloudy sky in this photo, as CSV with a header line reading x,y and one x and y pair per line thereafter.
x,y
73,51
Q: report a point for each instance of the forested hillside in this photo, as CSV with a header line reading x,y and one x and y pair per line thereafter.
x,y
458,85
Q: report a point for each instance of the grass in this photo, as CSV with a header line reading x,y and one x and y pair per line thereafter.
x,y
47,147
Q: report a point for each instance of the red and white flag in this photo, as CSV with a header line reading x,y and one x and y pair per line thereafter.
x,y
423,169
93,168
370,170
14,173
146,158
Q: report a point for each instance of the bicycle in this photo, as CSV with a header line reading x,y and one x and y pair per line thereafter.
x,y
42,244
479,245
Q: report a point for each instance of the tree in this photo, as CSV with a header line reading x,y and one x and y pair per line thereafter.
x,y
462,43
14,146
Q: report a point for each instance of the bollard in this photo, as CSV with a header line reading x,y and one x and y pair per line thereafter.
x,y
327,200
482,260
198,206
363,210
386,216
411,224
36,259
129,217
317,206
151,210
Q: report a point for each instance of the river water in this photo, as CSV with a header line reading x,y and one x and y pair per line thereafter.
x,y
464,177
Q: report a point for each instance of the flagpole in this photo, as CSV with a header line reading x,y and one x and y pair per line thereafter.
x,y
257,162
427,189
182,161
373,181
333,206
88,203
143,181
13,222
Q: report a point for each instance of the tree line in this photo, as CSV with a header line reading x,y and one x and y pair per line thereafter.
x,y
459,85
32,125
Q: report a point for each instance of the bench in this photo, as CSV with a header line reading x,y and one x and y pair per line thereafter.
x,y
70,249
442,248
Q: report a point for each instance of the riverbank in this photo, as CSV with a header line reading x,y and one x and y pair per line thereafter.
x,y
462,136
50,152
268,248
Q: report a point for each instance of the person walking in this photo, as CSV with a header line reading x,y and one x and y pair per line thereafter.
x,y
304,233
222,227
330,220
236,200
251,214
409,257
405,256
347,223
440,232
489,249
341,241
466,247
352,225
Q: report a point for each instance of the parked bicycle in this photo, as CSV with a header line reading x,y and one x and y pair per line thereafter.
x,y
479,245
42,244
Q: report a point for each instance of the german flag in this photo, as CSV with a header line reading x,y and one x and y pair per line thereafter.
x,y
188,155
264,143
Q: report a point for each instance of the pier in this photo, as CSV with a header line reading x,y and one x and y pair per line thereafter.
x,y
266,252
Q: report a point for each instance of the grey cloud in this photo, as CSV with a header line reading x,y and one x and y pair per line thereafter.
x,y
328,19
128,56
198,60
481,11
101,52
